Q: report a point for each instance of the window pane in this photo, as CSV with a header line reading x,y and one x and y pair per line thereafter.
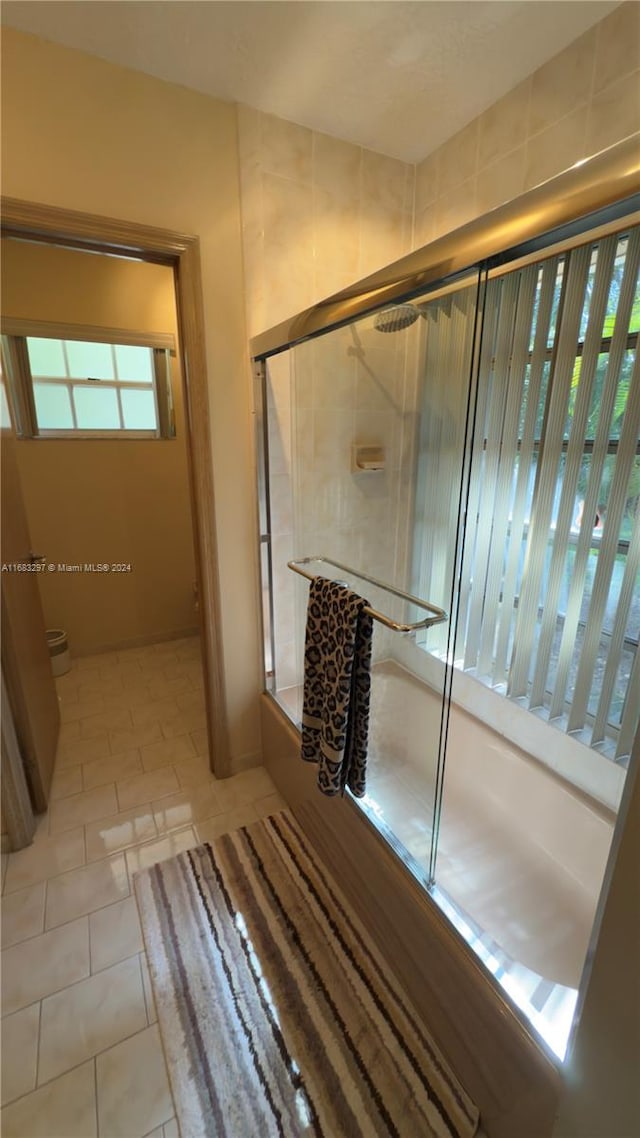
x,y
134,364
89,361
138,410
53,406
46,357
96,408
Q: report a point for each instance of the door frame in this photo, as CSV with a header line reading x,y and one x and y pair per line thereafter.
x,y
52,225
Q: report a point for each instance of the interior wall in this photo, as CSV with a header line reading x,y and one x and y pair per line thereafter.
x,y
106,500
581,101
83,134
317,214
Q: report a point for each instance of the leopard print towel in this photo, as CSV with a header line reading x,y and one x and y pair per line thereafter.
x,y
337,683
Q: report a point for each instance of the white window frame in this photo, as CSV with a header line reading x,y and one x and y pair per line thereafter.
x,y
20,379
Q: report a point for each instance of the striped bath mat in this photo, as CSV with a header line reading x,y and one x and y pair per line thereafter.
x,y
277,1015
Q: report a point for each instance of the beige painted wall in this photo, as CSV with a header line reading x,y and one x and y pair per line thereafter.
x,y
105,500
84,134
581,101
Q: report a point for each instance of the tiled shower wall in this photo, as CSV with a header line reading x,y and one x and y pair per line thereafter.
x,y
581,101
319,213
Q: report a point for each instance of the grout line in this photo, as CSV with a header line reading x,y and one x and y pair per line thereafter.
x,y
95,1095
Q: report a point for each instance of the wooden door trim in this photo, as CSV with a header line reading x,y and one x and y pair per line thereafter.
x,y
182,251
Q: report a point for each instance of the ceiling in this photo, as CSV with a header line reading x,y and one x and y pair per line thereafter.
x,y
395,76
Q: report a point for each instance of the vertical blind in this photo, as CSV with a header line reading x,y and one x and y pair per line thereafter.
x,y
550,568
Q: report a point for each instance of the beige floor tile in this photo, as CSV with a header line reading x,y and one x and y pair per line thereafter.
x,y
68,813
133,1089
116,719
271,804
184,723
143,856
65,1108
88,1017
191,805
169,689
114,934
69,732
136,737
200,741
119,831
191,700
80,709
154,711
86,889
22,914
65,782
20,1052
146,787
157,1133
171,1129
4,861
149,998
45,858
114,769
82,751
193,772
167,752
35,968
244,788
231,820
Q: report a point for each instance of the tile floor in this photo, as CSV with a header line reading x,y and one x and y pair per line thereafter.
x,y
81,1052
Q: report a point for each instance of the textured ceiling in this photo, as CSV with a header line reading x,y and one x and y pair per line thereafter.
x,y
398,77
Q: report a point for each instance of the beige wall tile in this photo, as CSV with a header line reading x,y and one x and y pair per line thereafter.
x,y
426,190
456,207
68,813
425,226
614,113
133,1089
114,934
286,149
44,964
20,1052
617,45
387,181
564,83
457,158
66,1106
337,166
501,181
505,125
110,835
556,149
83,890
45,858
22,914
89,1016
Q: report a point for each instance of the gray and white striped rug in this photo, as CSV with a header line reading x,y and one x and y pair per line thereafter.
x,y
277,1014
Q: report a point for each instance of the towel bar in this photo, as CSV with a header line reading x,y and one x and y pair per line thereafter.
x,y
438,614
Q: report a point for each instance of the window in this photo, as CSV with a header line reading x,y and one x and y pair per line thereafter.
x,y
550,588
88,387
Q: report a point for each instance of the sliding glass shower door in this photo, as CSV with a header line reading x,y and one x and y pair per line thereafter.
x,y
348,426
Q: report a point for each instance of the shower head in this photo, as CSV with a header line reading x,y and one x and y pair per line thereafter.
x,y
396,318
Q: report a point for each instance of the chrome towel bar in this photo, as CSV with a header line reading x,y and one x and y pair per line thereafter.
x,y
438,615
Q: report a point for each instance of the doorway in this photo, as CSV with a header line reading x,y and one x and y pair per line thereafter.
x,y
180,254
